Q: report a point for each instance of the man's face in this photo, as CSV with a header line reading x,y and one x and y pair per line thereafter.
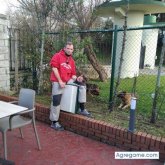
x,y
68,49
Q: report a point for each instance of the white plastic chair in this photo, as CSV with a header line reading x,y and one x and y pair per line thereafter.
x,y
26,99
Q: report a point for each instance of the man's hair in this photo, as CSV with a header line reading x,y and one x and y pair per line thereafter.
x,y
68,43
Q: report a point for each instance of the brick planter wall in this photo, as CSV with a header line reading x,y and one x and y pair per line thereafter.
x,y
102,131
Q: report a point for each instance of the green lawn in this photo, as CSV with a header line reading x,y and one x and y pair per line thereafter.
x,y
145,86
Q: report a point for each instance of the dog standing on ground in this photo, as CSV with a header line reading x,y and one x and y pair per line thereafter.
x,y
125,99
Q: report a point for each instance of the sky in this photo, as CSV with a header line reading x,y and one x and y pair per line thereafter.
x,y
4,5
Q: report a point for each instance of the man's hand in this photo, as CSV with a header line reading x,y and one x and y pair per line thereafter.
x,y
62,84
80,78
74,77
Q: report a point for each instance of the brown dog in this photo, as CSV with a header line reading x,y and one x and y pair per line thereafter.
x,y
92,89
125,99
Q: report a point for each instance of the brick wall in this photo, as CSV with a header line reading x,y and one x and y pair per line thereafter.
x,y
102,131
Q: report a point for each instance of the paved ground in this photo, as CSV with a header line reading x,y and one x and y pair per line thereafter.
x,y
62,148
152,71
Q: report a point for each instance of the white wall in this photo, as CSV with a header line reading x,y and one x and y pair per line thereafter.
x,y
4,55
149,40
131,56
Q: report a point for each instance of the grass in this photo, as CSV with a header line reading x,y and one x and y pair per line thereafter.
x,y
145,86
121,118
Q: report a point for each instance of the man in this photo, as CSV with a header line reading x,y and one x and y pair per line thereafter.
x,y
63,71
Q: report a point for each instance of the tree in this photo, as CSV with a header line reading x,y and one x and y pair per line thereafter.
x,y
85,17
38,12
41,16
83,14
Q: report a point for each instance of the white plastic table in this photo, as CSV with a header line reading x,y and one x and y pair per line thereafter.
x,y
7,109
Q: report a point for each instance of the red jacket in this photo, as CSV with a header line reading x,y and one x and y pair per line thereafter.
x,y
64,64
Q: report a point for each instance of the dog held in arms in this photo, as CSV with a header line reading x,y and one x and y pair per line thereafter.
x,y
125,98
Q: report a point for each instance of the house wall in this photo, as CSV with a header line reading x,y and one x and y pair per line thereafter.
x,y
4,55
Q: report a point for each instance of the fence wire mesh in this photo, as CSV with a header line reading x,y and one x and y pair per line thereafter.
x,y
140,68
140,63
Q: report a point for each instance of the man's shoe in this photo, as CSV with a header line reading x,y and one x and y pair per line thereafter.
x,y
84,112
57,126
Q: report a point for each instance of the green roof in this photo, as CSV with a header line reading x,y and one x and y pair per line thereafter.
x,y
145,6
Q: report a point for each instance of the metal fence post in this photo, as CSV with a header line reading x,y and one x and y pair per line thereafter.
x,y
132,115
157,89
113,66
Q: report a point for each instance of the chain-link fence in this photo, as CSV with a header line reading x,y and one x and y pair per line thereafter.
x,y
138,69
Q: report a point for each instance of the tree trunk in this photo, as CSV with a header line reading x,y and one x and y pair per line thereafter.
x,y
95,63
16,60
40,89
